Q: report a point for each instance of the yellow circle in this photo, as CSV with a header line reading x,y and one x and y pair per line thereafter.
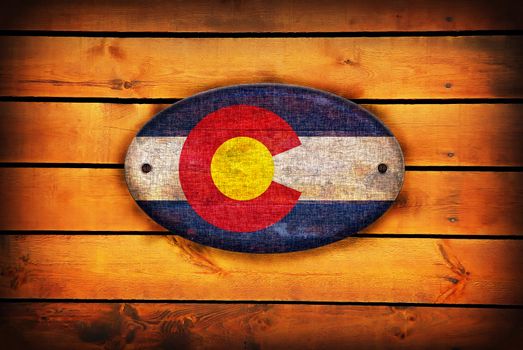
x,y
242,168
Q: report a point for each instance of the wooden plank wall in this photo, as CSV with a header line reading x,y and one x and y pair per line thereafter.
x,y
81,267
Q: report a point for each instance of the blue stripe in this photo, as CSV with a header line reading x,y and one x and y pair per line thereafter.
x,y
310,224
310,112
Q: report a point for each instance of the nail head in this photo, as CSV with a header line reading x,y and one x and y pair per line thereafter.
x,y
146,168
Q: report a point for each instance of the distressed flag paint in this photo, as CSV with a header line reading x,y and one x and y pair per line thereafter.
x,y
264,168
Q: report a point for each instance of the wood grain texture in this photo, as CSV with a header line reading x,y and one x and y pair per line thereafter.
x,y
98,199
153,267
260,16
446,134
355,269
255,326
382,67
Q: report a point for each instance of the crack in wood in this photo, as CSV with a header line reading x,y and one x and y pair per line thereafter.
x,y
462,275
195,254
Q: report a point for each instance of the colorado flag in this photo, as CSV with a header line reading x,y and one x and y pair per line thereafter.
x,y
264,168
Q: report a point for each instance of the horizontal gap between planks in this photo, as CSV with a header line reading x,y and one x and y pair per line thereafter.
x,y
63,165
262,302
121,166
503,169
436,236
174,100
356,235
116,34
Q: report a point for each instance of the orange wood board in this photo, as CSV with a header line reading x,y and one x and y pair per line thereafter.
x,y
362,67
261,16
431,202
265,326
442,134
414,270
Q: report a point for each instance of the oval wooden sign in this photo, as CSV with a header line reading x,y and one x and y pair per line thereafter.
x,y
264,168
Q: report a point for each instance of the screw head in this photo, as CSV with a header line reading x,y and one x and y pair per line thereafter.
x,y
382,168
146,168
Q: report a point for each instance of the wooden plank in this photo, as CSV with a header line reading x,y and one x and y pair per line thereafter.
x,y
261,16
456,134
382,67
255,326
445,134
355,269
98,200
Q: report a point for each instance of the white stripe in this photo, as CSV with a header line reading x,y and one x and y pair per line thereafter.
x,y
163,154
322,168
342,168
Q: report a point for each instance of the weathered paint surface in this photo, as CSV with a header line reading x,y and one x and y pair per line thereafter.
x,y
336,168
